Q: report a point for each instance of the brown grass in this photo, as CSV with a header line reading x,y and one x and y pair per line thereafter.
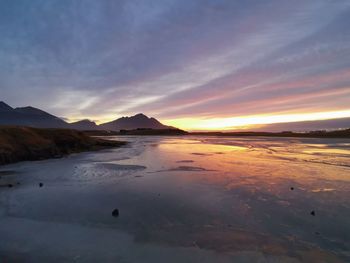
x,y
24,143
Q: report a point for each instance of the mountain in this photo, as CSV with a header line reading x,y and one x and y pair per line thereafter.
x,y
4,106
33,117
84,125
130,123
29,116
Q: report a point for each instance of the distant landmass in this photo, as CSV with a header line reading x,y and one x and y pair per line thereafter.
x,y
304,126
139,131
29,116
130,123
140,123
84,125
33,117
341,133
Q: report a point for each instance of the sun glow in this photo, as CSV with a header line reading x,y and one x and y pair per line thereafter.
x,y
231,123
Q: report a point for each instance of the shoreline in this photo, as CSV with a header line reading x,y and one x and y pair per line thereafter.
x,y
32,144
18,143
337,134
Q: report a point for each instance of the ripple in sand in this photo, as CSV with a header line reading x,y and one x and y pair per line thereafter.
x,y
202,154
186,169
185,161
113,166
7,172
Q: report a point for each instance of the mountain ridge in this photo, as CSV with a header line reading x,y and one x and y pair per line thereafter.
x,y
137,121
37,118
4,106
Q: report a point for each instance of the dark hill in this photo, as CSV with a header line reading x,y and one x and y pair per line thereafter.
x,y
134,122
84,125
29,116
33,117
4,106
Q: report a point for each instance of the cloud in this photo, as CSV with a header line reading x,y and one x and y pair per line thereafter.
x,y
174,59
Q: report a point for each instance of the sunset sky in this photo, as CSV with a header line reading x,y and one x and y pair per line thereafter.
x,y
193,64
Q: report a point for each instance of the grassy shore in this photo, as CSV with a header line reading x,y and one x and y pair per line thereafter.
x,y
24,143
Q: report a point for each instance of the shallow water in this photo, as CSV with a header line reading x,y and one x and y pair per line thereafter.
x,y
182,199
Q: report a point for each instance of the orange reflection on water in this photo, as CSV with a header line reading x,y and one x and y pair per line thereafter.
x,y
248,193
259,164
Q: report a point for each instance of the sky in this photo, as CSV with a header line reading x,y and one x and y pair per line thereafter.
x,y
192,64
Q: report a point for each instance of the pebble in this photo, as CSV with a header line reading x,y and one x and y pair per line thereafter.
x,y
115,213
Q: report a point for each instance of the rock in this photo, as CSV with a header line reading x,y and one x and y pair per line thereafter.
x,y
313,213
292,188
41,184
10,185
115,213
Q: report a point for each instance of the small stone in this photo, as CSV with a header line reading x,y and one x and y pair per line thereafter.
x,y
115,213
41,184
313,213
292,188
10,185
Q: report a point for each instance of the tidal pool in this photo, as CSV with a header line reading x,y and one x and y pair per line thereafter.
x,y
182,199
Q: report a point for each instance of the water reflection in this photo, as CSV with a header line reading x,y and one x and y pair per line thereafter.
x,y
246,199
259,193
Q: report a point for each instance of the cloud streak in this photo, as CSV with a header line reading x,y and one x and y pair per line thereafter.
x,y
175,59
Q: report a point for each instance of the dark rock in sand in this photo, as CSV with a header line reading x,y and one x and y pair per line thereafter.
x,y
10,185
313,213
292,188
115,213
41,184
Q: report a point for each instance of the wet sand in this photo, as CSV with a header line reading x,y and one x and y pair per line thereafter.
x,y
183,199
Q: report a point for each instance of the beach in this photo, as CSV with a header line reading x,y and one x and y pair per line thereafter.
x,y
181,199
